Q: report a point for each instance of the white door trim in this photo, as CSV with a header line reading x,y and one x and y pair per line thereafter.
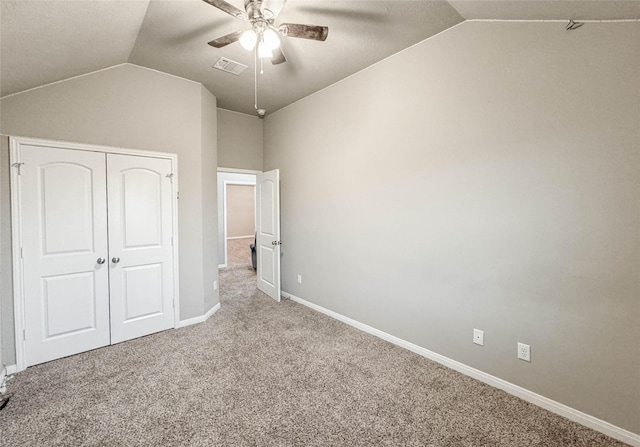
x,y
16,224
224,210
238,171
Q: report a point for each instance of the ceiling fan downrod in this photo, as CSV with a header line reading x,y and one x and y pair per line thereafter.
x,y
261,112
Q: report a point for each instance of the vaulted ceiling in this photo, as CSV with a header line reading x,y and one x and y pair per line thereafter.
x,y
47,41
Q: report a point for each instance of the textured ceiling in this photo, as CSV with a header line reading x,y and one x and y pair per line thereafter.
x,y
547,9
47,41
174,37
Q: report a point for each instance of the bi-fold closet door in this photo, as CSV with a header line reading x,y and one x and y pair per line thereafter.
x,y
97,249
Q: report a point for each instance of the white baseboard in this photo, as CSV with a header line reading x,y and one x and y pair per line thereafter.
x,y
5,372
198,319
222,266
548,404
241,237
211,311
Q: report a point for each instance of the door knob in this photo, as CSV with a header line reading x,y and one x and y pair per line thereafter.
x,y
101,260
115,260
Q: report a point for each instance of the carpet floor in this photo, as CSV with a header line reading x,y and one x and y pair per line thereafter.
x,y
261,373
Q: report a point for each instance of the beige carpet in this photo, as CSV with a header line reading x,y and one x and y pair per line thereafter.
x,y
259,373
239,253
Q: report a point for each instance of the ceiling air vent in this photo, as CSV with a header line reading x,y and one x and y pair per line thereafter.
x,y
229,66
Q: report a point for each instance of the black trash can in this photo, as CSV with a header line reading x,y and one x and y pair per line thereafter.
x,y
254,257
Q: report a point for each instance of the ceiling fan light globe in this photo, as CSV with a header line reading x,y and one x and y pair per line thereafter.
x,y
264,51
248,40
271,38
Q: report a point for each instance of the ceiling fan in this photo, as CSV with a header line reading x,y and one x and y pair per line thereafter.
x,y
261,14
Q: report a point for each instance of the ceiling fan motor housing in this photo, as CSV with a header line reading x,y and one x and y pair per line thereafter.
x,y
256,15
253,9
267,9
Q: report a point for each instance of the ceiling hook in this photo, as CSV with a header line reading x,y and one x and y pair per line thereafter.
x,y
573,25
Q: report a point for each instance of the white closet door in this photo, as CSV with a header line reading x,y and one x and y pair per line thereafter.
x,y
64,239
140,246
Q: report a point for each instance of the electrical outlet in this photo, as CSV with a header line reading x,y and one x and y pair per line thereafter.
x,y
299,279
524,352
215,284
478,337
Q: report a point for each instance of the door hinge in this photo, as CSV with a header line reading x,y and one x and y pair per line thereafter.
x,y
172,241
21,253
24,334
19,166
178,195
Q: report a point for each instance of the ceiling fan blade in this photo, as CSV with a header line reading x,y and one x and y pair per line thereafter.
x,y
312,32
362,13
226,40
271,8
278,57
228,8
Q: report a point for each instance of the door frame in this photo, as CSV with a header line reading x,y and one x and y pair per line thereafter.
x,y
16,224
223,205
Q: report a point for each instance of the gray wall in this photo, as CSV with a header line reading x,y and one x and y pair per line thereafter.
x,y
209,129
486,178
129,106
240,210
239,140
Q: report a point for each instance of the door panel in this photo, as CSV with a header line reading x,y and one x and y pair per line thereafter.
x,y
140,231
268,232
64,233
67,215
142,280
267,260
66,295
267,226
141,208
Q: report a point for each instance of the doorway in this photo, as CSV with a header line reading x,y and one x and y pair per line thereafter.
x,y
240,223
268,232
236,217
266,190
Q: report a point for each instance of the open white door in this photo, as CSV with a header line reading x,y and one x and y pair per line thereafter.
x,y
268,232
140,246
